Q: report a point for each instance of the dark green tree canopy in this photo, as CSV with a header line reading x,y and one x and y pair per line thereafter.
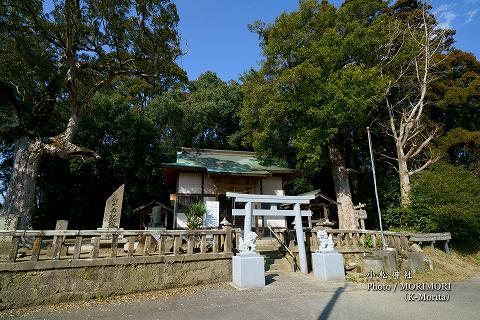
x,y
319,79
60,59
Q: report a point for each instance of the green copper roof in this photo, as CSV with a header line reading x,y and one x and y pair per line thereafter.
x,y
224,162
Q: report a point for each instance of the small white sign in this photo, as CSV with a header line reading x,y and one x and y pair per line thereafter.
x,y
212,216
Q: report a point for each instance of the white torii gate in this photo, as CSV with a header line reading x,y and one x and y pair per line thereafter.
x,y
249,199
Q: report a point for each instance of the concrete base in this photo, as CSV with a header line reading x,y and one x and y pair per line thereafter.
x,y
248,270
328,266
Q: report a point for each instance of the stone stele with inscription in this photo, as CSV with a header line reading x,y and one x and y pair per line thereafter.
x,y
113,209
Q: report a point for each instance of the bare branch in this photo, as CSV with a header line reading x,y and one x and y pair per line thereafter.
x,y
426,164
415,151
388,157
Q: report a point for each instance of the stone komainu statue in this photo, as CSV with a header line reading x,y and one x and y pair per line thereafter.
x,y
249,243
325,241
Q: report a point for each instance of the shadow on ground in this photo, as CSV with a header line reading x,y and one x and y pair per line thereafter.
x,y
270,278
331,303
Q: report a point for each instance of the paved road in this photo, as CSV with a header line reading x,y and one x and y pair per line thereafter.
x,y
287,296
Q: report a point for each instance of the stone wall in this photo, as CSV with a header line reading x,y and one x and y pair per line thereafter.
x,y
27,288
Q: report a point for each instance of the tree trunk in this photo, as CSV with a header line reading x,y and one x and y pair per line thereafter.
x,y
21,187
404,176
346,218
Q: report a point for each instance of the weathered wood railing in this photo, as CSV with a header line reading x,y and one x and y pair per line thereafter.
x,y
355,241
123,245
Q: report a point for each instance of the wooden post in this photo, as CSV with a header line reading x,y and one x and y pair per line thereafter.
x,y
398,244
203,244
161,244
113,254
131,246
177,242
357,240
37,246
57,247
237,239
228,239
215,243
362,224
96,246
12,257
59,225
146,247
78,247
374,240
190,243
404,243
432,245
447,250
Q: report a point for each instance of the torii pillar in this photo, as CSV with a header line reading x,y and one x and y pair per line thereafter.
x,y
249,212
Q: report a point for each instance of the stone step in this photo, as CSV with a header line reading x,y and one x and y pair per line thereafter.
x,y
276,261
281,265
271,255
267,244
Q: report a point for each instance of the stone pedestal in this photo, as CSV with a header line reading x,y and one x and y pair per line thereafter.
x,y
248,270
373,264
328,266
415,261
389,257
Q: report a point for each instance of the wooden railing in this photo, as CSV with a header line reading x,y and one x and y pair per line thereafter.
x,y
356,241
127,245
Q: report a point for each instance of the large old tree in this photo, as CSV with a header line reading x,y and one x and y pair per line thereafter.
x,y
54,60
316,88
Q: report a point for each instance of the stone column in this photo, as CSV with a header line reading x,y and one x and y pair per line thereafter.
x,y
247,228
300,240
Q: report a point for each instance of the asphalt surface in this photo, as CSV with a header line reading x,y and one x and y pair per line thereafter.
x,y
286,296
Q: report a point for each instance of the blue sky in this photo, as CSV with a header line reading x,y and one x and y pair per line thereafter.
x,y
215,36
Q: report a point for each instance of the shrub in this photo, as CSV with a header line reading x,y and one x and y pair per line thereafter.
x,y
195,213
445,198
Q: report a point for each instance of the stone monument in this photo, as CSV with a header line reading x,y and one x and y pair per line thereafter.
x,y
113,211
10,223
248,267
327,263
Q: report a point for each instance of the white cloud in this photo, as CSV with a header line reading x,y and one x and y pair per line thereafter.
x,y
470,15
445,15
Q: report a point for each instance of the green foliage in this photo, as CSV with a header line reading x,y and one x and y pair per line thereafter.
x,y
211,107
455,95
127,141
204,116
52,63
195,213
297,186
368,241
445,198
318,81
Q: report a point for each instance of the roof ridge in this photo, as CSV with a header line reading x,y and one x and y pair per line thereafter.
x,y
217,151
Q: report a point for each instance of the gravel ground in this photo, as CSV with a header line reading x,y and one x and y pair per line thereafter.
x,y
286,296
